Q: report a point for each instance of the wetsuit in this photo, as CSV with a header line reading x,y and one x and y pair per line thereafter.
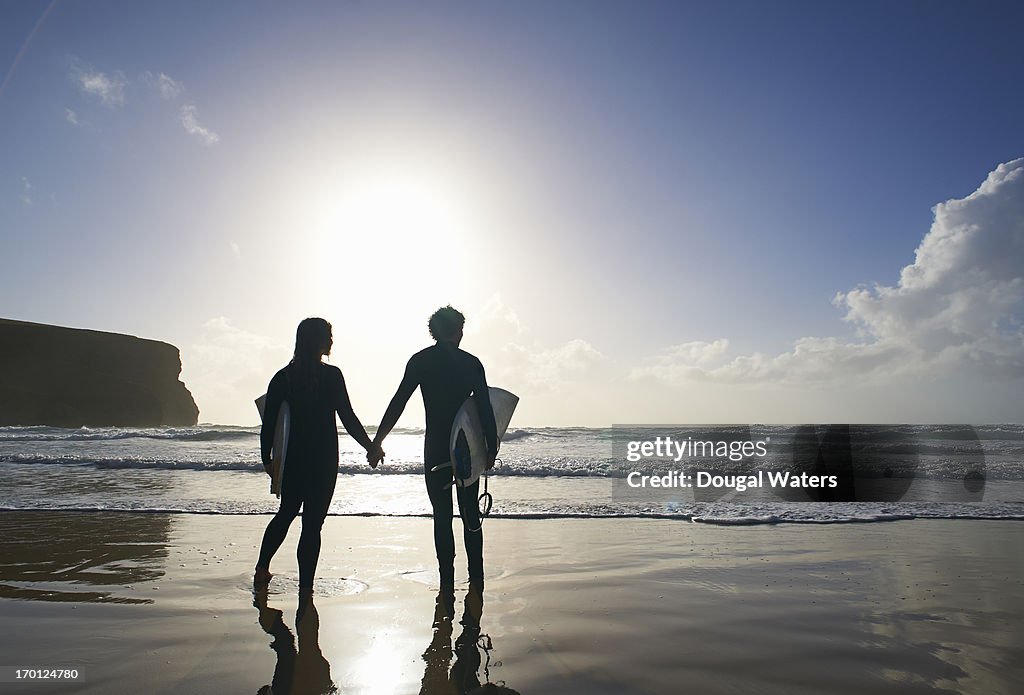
x,y
312,456
447,376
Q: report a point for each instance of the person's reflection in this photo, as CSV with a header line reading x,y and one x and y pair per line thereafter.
x,y
298,672
463,677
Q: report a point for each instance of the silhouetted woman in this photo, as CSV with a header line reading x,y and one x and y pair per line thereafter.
x,y
315,392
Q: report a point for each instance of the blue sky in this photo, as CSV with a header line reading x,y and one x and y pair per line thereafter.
x,y
609,190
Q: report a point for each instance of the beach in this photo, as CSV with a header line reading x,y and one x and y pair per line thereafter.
x,y
161,603
714,311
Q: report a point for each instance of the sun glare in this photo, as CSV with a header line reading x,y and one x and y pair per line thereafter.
x,y
398,238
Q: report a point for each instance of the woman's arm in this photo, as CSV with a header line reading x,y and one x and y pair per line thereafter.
x,y
353,426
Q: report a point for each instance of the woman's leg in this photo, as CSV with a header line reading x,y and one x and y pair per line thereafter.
x,y
317,500
277,529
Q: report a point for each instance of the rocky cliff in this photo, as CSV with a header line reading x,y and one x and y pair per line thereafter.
x,y
69,377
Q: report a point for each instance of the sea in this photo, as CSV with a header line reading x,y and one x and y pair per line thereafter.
x,y
903,472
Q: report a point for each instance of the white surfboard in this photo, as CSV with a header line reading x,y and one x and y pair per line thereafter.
x,y
467,447
279,449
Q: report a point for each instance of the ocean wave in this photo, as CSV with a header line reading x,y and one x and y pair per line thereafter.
x,y
772,519
182,434
872,433
140,463
151,464
951,469
887,438
952,447
87,434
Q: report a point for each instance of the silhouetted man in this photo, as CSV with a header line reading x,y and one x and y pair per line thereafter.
x,y
447,376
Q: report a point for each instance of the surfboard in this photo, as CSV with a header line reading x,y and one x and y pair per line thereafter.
x,y
279,449
467,447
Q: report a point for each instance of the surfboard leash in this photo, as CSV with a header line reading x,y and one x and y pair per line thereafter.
x,y
483,503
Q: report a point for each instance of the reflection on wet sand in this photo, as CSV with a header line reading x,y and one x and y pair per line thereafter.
x,y
302,671
48,556
440,676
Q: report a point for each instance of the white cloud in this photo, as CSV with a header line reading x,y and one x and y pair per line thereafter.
x,y
540,369
685,361
236,249
108,87
496,320
958,308
168,87
26,192
190,123
227,368
517,360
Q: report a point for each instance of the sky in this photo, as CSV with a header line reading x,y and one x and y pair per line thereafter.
x,y
649,212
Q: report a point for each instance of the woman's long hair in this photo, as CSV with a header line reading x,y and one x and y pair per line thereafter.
x,y
310,338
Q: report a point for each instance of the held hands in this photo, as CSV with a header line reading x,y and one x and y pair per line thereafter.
x,y
374,455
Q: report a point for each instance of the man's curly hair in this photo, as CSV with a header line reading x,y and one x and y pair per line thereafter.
x,y
445,323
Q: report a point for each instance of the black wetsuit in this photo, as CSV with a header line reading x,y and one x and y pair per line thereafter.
x,y
447,376
312,459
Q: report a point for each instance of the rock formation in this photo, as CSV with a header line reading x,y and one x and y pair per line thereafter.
x,y
70,377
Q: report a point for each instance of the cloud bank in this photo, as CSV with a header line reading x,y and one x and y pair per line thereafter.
x,y
957,309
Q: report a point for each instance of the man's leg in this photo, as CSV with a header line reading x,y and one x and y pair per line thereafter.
x,y
444,540
472,532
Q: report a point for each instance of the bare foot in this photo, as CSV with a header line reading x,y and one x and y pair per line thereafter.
x,y
261,580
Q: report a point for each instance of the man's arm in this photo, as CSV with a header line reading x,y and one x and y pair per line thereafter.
x,y
483,406
409,383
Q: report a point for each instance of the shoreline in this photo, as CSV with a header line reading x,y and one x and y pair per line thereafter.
x,y
162,604
543,516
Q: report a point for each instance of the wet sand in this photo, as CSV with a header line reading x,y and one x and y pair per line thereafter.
x,y
161,603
